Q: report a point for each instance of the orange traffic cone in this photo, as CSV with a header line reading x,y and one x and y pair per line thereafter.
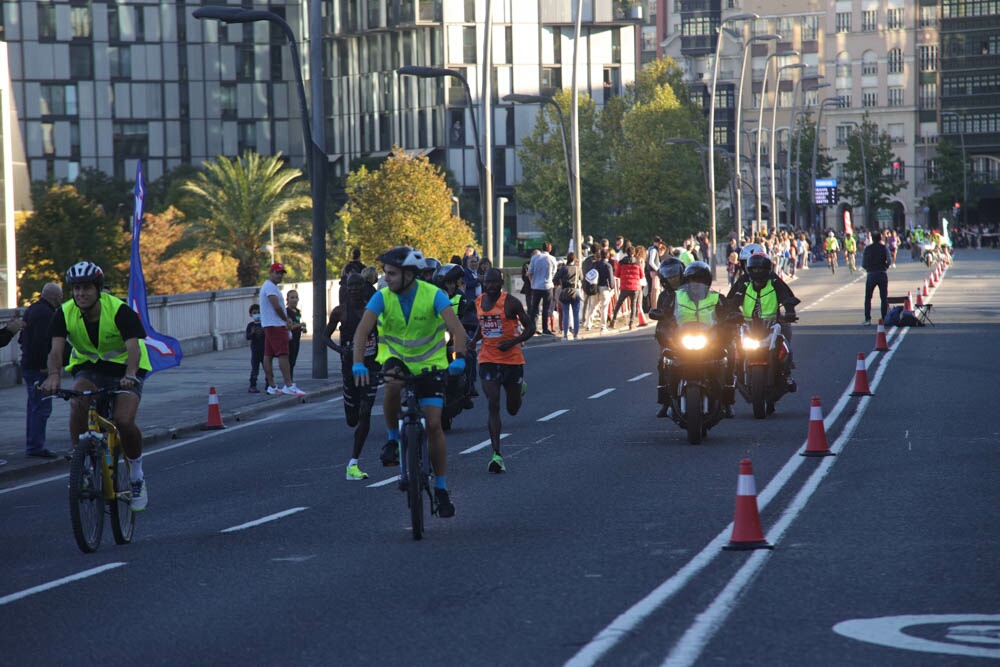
x,y
922,291
920,299
747,533
908,304
933,280
816,443
881,344
861,378
214,413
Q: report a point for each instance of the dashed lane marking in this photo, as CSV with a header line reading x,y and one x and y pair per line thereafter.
x,y
639,377
553,415
482,445
603,392
13,597
262,520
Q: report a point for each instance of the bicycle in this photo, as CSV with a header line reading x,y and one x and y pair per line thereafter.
x,y
99,474
851,263
413,446
831,259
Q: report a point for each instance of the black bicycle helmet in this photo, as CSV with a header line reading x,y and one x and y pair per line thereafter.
x,y
431,265
402,257
447,274
671,272
759,268
85,272
698,272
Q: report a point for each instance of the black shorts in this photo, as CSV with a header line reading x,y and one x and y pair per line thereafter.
x,y
505,374
352,392
427,386
102,380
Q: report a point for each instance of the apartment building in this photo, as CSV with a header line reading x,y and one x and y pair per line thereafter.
x,y
881,56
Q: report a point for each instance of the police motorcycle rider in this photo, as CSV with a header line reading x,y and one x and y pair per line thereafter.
x,y
695,301
762,292
671,274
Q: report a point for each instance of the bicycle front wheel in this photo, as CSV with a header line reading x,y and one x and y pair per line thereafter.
x,y
414,472
122,516
86,499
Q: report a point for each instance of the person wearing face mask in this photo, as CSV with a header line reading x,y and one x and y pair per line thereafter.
x,y
255,334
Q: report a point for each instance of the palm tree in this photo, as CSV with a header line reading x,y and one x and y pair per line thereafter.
x,y
234,203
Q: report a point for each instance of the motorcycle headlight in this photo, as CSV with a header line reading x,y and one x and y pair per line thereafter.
x,y
694,342
751,344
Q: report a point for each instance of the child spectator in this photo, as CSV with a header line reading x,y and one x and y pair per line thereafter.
x,y
255,334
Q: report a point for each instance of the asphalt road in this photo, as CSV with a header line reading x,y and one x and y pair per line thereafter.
x,y
602,543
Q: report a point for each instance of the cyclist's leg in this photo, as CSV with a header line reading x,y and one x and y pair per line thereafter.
x,y
126,406
435,440
78,407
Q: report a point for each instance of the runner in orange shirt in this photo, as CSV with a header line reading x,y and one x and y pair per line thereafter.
x,y
503,327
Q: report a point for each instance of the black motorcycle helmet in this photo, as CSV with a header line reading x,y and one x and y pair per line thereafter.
x,y
671,272
759,268
698,272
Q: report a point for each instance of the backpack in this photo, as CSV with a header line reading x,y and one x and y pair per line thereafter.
x,y
909,319
589,283
893,316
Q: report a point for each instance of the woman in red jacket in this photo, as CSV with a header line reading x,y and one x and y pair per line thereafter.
x,y
629,274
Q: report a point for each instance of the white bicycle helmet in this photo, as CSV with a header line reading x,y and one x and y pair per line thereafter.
x,y
749,250
85,272
403,257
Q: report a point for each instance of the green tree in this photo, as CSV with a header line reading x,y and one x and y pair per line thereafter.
x,y
233,204
878,159
405,202
947,178
64,229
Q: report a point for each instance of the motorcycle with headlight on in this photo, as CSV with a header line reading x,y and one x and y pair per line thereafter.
x,y
763,364
695,363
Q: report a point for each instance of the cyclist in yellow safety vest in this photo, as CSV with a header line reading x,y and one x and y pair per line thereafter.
x,y
108,350
413,316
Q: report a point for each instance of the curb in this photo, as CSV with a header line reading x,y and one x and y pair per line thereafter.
x,y
159,434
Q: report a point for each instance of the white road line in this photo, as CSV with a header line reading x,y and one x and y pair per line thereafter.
x,y
623,626
13,597
482,445
553,415
266,519
384,482
639,377
603,392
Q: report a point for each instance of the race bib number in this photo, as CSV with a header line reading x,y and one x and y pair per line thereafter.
x,y
371,346
492,326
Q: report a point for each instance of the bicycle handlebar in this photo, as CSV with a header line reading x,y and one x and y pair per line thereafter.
x,y
67,394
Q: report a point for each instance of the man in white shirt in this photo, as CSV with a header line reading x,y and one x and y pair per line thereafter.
x,y
541,270
276,322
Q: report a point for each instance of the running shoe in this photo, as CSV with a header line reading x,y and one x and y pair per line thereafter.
x,y
273,391
140,496
355,474
292,390
390,454
524,387
445,509
496,464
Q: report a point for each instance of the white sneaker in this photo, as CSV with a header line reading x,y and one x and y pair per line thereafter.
x,y
292,390
140,496
273,391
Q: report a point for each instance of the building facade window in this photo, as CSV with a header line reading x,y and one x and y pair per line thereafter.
x,y
895,96
847,101
246,136
928,16
810,28
80,21
869,64
81,61
551,80
895,61
245,62
843,65
928,96
869,20
469,46
227,100
927,57
843,21
120,62
869,98
58,100
46,21
843,132
897,133
894,18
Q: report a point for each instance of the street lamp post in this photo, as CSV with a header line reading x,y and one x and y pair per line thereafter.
x,y
739,123
711,125
774,118
575,127
486,113
828,102
501,201
315,163
486,207
544,99
760,125
791,211
458,206
864,166
965,169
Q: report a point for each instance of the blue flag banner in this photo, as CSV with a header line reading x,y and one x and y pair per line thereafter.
x,y
164,351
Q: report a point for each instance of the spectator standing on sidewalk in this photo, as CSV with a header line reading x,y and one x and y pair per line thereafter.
x,y
605,288
542,270
568,286
276,323
298,328
255,334
628,273
35,343
876,261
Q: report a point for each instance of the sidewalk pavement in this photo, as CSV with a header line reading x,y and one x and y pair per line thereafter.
x,y
175,402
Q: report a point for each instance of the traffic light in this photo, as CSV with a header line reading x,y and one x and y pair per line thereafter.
x,y
898,170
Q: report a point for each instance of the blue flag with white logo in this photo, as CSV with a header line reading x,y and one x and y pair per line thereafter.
x,y
164,351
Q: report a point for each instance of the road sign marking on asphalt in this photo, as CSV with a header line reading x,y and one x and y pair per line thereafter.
x,y
603,392
553,415
58,582
482,445
266,519
960,630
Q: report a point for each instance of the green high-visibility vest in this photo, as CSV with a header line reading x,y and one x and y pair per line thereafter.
x,y
768,302
418,342
688,310
110,345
